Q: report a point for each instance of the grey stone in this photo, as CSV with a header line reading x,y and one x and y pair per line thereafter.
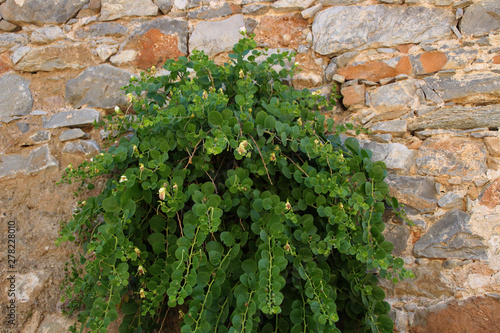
x,y
40,12
339,2
56,57
40,137
23,127
462,3
71,134
75,118
471,88
394,96
384,138
394,127
15,97
344,58
7,26
431,95
330,70
451,200
98,86
250,24
255,9
47,35
395,155
451,237
105,29
428,133
455,157
189,4
480,18
9,40
39,159
391,1
291,5
443,2
19,52
458,117
343,28
216,37
398,235
115,9
164,5
87,147
207,12
456,32
414,191
310,12
246,2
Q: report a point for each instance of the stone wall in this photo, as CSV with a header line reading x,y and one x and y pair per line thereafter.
x,y
422,75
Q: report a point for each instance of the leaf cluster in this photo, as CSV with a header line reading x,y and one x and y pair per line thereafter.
x,y
227,196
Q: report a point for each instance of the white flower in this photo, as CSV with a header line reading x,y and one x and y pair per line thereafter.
x,y
123,179
130,97
296,64
243,30
118,110
132,78
162,192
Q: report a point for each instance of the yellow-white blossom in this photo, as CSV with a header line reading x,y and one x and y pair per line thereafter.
x,y
123,179
162,193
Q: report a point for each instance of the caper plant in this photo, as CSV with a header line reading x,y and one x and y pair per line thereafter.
x,y
230,197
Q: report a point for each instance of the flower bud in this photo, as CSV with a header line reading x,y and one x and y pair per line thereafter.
x,y
142,293
288,206
243,30
118,110
162,193
123,179
137,251
141,167
141,270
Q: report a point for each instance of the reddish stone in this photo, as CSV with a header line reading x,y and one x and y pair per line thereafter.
x,y
376,70
496,59
5,63
271,30
491,196
154,48
433,61
353,95
405,48
480,314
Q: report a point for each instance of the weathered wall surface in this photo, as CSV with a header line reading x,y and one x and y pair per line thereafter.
x,y
422,75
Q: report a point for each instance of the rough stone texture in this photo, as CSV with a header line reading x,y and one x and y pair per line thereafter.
x,y
481,314
353,95
255,9
471,88
451,200
164,5
458,117
291,5
106,29
38,160
114,9
216,37
342,28
376,70
40,12
71,134
394,127
55,57
5,63
491,195
339,2
481,18
395,155
154,42
7,26
455,157
393,97
428,62
397,235
310,12
47,35
15,97
414,191
207,13
493,146
429,282
272,30
87,147
10,40
75,118
451,237
98,86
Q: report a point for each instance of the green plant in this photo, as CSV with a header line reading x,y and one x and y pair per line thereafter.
x,y
229,198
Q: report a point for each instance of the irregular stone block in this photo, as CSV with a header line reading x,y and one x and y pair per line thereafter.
x,y
398,235
281,31
255,9
353,95
7,26
455,157
458,117
394,96
340,2
10,40
164,5
471,88
291,5
86,147
491,195
343,28
451,200
40,12
75,118
207,13
39,159
71,134
429,283
98,86
105,29
55,57
216,37
15,97
451,237
414,191
395,155
47,35
114,9
376,70
394,127
480,18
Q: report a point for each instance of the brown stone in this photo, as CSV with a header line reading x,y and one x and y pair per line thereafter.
x,y
376,70
496,59
429,282
493,146
154,48
480,314
433,61
271,30
491,195
5,63
405,48
353,95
